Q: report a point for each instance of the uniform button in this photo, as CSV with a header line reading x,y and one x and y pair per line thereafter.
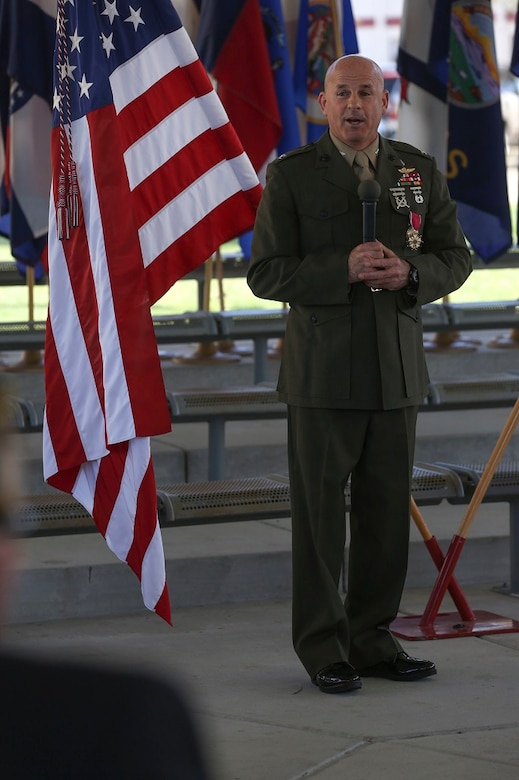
x,y
313,319
324,157
324,213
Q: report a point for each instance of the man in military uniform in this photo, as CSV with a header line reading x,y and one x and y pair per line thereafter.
x,y
353,371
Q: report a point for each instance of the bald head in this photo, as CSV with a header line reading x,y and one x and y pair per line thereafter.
x,y
355,62
354,99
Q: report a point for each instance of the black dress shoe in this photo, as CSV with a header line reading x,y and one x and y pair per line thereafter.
x,y
402,667
337,678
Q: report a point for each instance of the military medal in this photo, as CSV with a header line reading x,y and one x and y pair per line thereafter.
x,y
414,239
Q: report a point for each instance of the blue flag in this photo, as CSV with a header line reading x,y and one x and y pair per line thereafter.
x,y
514,65
27,32
325,31
451,108
275,32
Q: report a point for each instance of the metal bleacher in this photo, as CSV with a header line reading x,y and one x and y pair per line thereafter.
x,y
264,497
474,392
217,406
222,501
24,415
434,316
258,325
219,501
482,316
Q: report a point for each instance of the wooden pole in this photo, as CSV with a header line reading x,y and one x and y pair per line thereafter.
x,y
31,358
207,351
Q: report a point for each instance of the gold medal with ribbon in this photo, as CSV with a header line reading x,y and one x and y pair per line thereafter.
x,y
414,239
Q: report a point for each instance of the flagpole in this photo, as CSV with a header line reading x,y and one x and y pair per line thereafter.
x,y
32,358
337,31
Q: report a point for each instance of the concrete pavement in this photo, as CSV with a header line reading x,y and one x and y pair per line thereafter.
x,y
261,718
231,648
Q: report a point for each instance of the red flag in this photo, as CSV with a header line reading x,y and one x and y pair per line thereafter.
x,y
161,181
232,44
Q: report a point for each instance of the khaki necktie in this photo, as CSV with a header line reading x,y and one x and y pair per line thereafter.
x,y
361,166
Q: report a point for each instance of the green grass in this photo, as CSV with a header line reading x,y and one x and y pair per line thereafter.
x,y
487,284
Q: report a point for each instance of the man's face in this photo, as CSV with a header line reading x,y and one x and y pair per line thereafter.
x,y
354,101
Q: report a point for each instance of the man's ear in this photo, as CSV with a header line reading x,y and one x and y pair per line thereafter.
x,y
322,102
385,102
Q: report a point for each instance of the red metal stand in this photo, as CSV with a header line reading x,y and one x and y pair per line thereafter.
x,y
465,622
449,625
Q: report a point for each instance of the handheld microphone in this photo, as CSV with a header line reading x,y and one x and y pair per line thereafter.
x,y
369,193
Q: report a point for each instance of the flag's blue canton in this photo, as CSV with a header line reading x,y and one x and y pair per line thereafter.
x,y
122,31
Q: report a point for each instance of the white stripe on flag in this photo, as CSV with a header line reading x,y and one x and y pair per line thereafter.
x,y
72,353
119,532
175,132
188,208
85,485
132,79
153,570
120,424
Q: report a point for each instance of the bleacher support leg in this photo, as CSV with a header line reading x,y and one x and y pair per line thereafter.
x,y
216,449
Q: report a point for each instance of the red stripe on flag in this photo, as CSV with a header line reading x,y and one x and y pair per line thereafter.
x,y
145,521
180,171
128,285
108,484
163,606
177,260
164,97
66,441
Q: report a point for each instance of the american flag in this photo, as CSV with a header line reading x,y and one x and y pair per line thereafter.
x,y
162,180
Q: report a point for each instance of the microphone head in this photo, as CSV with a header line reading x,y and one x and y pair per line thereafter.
x,y
369,191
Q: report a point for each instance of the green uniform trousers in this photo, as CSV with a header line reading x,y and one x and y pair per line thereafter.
x,y
325,447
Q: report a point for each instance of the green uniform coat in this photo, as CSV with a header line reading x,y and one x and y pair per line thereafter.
x,y
309,219
353,373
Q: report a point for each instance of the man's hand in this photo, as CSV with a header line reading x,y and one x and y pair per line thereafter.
x,y
377,266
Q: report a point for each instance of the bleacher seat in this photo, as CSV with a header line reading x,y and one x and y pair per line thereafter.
x,y
486,315
489,390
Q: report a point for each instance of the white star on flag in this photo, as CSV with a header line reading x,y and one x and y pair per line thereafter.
x,y
135,17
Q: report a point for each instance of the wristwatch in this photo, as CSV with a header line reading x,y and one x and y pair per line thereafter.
x,y
412,282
